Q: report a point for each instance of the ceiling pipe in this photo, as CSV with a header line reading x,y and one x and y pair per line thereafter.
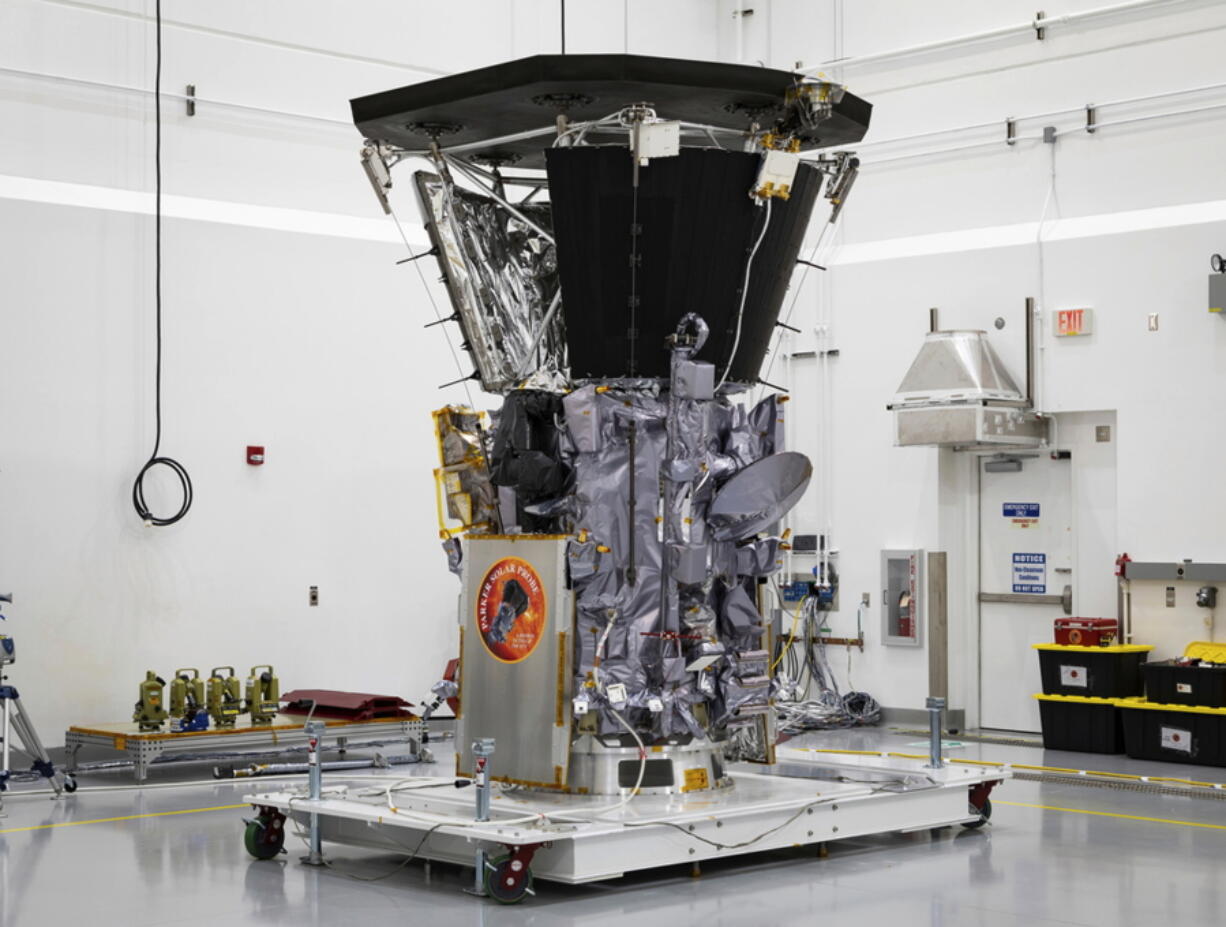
x,y
1030,25
1030,319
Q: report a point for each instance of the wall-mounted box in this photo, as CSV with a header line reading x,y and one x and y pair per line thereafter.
x,y
902,597
1217,293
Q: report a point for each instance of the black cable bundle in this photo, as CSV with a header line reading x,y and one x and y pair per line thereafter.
x,y
185,482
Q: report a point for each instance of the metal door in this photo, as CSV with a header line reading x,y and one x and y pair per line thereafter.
x,y
1025,580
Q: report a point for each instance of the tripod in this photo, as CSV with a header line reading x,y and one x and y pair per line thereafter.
x,y
13,718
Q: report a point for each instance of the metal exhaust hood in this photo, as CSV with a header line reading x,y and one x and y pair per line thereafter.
x,y
958,394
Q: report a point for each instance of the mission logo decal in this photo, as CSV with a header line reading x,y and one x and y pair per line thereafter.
x,y
511,610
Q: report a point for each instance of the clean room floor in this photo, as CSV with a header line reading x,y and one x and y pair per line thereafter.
x,y
1055,853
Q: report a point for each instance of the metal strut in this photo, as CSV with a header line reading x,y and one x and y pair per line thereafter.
x,y
15,720
632,450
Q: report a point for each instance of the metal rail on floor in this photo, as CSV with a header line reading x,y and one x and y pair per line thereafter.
x,y
1133,781
992,739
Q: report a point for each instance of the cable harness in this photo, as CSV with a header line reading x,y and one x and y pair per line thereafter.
x,y
800,708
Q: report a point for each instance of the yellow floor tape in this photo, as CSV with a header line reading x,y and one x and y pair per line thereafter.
x,y
129,817
1112,814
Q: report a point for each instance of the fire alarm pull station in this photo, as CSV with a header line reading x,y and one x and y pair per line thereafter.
x,y
255,455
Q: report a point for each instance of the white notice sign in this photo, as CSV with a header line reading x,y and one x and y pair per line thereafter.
x,y
1174,738
1074,676
1030,573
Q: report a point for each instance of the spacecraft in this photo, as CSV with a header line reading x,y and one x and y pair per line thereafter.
x,y
616,234
617,516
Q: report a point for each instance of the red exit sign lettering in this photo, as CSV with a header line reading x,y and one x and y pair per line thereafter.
x,y
1073,322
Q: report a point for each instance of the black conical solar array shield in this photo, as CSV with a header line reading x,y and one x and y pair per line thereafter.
x,y
695,227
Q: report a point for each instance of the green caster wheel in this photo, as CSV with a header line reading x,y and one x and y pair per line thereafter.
x,y
265,836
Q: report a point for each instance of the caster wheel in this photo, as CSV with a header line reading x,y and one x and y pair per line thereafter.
x,y
985,815
502,884
264,837
70,784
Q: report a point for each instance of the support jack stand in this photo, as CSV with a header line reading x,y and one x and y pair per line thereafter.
x,y
14,719
314,730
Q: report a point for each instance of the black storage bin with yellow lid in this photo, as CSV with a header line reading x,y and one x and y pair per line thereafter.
x,y
1202,682
1092,672
1174,733
1080,723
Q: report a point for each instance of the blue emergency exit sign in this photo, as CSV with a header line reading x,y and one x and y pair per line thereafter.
x,y
1021,510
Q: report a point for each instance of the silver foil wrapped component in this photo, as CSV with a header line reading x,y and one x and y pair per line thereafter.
x,y
757,433
455,555
752,663
583,419
714,611
683,715
663,602
739,619
501,276
740,693
585,559
698,619
758,558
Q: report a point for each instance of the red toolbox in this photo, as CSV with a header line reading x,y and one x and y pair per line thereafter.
x,y
1086,632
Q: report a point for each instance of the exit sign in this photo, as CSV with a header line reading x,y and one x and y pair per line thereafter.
x,y
1068,322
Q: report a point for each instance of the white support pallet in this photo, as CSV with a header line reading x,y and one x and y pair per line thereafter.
x,y
760,812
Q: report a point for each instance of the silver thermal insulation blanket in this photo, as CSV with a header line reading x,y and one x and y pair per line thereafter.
x,y
679,647
501,276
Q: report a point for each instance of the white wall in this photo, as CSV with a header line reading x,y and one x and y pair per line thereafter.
x,y
1134,214
308,342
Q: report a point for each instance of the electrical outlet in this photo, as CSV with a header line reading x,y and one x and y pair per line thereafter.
x,y
313,595
865,599
1153,321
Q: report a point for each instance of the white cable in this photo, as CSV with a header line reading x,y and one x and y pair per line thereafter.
x,y
600,644
740,314
642,769
434,817
604,636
